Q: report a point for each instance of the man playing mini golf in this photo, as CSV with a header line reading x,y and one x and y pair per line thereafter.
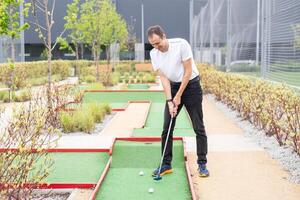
x,y
173,59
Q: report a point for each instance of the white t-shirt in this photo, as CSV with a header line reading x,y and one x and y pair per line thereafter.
x,y
170,62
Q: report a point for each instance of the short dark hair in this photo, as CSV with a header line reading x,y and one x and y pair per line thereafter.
x,y
156,30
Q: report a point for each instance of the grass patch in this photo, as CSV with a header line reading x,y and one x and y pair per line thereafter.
x,y
85,118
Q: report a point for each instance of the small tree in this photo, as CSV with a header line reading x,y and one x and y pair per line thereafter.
x,y
10,26
40,9
113,30
131,38
92,28
74,25
19,165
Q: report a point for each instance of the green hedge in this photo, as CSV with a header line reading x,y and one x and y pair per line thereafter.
x,y
271,107
35,73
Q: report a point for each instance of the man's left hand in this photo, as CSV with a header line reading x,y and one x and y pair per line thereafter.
x,y
177,100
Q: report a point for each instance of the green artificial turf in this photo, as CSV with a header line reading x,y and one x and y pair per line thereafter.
x,y
77,167
129,158
138,86
155,117
123,97
147,132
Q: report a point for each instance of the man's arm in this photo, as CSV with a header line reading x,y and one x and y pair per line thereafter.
x,y
187,65
166,85
167,89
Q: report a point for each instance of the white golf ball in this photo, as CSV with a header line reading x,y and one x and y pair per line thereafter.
x,y
141,173
151,190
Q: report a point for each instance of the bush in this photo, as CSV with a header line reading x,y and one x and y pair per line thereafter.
x,y
148,78
116,78
21,96
85,118
67,122
5,98
97,111
95,86
273,108
107,108
89,79
2,94
37,81
25,71
122,68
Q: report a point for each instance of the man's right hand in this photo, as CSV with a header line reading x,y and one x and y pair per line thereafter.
x,y
172,109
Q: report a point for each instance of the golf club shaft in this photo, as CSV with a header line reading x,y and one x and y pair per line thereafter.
x,y
165,147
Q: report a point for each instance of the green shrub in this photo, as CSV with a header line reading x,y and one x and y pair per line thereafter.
x,y
21,96
122,68
84,119
96,110
89,79
116,77
148,78
140,76
107,108
95,86
37,81
2,94
5,98
274,108
67,122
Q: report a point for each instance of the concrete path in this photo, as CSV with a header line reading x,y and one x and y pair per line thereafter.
x,y
124,122
239,168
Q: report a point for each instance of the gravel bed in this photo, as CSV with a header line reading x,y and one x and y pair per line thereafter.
x,y
52,195
283,154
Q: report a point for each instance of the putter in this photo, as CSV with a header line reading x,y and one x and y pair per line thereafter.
x,y
158,177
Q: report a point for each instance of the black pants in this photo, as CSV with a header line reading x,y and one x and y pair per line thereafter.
x,y
192,100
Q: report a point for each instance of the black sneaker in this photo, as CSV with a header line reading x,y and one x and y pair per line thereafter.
x,y
165,169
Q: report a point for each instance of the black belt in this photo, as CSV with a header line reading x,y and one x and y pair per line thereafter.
x,y
196,79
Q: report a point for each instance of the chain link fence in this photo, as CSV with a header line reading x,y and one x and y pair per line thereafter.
x,y
259,38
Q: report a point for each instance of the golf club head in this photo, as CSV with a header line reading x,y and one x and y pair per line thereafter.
x,y
157,178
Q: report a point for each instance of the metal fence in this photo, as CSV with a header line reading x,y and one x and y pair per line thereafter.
x,y
253,37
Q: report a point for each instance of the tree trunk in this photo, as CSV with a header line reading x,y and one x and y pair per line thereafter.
x,y
49,49
77,58
96,60
12,76
13,58
97,64
82,50
107,73
77,51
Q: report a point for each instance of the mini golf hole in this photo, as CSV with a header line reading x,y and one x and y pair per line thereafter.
x,y
148,143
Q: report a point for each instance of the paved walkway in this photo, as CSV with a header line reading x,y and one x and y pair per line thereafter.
x,y
239,168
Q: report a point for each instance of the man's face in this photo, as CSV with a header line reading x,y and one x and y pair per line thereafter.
x,y
157,42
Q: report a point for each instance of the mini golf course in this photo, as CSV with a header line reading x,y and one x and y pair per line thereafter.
x,y
129,158
154,123
115,173
138,86
72,168
119,100
80,167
